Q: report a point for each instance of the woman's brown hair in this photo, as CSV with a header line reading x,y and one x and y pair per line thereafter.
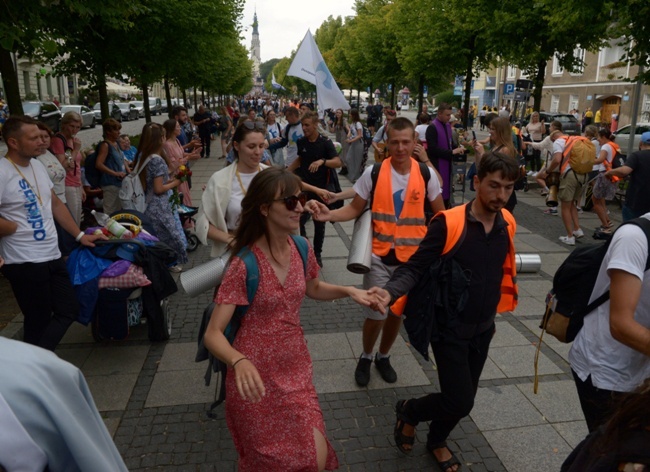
x,y
151,141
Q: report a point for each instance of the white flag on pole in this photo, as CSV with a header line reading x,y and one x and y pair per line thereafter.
x,y
308,64
274,84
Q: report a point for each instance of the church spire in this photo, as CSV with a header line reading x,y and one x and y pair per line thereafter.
x,y
255,23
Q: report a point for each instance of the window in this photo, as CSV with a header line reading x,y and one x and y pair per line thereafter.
x,y
523,74
613,53
28,86
573,102
555,103
645,108
511,72
557,68
579,55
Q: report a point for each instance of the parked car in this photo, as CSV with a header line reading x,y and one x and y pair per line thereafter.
x,y
45,112
139,105
155,106
166,108
115,112
129,111
623,136
570,125
87,115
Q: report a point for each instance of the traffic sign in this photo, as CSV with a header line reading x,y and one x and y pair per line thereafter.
x,y
508,89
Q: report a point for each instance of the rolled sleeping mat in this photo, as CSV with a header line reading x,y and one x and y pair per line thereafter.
x,y
361,247
528,263
205,276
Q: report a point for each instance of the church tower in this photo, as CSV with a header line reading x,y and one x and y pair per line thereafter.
x,y
258,84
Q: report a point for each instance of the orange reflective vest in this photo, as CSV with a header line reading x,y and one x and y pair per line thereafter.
x,y
608,165
455,219
403,233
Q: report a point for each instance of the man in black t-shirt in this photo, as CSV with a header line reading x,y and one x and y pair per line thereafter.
x,y
637,165
317,159
202,120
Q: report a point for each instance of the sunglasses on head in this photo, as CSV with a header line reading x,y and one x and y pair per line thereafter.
x,y
254,125
292,201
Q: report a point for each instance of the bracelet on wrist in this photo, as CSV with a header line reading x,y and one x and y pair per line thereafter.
x,y
79,236
238,361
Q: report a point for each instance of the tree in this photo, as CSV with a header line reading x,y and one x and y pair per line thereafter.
x,y
266,69
550,29
631,24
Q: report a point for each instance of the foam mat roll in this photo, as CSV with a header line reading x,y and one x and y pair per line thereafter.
x,y
361,247
528,263
205,276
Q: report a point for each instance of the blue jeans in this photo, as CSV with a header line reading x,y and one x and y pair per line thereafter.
x,y
629,214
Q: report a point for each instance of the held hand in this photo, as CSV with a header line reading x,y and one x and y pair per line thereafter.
x,y
77,143
362,297
318,211
324,195
420,153
382,299
479,149
88,240
248,381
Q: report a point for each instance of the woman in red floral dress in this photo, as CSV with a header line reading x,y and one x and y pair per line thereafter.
x,y
272,408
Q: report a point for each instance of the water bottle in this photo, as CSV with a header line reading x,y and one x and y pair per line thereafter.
x,y
115,228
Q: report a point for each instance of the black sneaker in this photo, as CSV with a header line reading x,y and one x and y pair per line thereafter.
x,y
385,369
362,372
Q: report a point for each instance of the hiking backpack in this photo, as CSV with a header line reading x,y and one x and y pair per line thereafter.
x,y
252,282
568,301
580,153
92,174
132,193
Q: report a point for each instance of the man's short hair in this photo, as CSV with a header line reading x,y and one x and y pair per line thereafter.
x,y
497,162
399,124
292,112
556,124
176,111
14,125
443,106
311,116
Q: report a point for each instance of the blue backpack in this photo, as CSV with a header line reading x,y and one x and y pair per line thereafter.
x,y
252,282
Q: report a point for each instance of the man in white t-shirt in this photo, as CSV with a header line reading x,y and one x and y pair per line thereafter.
x,y
28,238
399,224
290,136
611,353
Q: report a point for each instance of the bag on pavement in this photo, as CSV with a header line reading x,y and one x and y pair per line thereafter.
x,y
132,193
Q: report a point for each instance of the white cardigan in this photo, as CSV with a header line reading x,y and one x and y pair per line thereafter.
x,y
214,203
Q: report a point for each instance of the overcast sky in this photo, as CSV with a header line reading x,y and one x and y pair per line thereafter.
x,y
283,23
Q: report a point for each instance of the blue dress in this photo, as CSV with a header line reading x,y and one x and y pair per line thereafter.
x,y
159,209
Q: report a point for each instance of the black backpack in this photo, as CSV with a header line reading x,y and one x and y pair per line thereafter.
x,y
435,301
92,174
573,283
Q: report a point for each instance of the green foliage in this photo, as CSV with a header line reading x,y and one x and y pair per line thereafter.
x,y
266,68
631,24
448,96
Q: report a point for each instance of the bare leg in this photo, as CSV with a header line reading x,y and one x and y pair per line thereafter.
x,y
389,333
567,216
600,210
574,217
321,449
371,330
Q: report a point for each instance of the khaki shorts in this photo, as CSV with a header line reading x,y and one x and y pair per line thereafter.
x,y
571,186
378,276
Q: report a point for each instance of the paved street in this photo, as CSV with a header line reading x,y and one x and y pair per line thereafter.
x,y
154,401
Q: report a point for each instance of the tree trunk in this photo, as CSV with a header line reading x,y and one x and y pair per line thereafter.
x,y
103,93
195,99
539,84
145,102
469,75
392,95
10,80
359,98
185,98
420,93
202,98
168,94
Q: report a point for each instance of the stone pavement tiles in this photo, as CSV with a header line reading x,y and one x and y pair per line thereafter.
x,y
154,401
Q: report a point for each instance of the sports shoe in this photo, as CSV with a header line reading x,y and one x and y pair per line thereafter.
x,y
578,234
580,211
385,369
362,372
544,191
530,172
550,211
569,241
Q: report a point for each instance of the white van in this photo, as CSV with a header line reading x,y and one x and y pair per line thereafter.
x,y
155,106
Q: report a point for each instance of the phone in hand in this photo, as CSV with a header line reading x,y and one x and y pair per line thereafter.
x,y
474,135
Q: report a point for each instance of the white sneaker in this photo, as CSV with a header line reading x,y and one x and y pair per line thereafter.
x,y
578,234
530,172
569,241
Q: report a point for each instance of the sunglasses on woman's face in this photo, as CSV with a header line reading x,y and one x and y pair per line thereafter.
x,y
292,202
